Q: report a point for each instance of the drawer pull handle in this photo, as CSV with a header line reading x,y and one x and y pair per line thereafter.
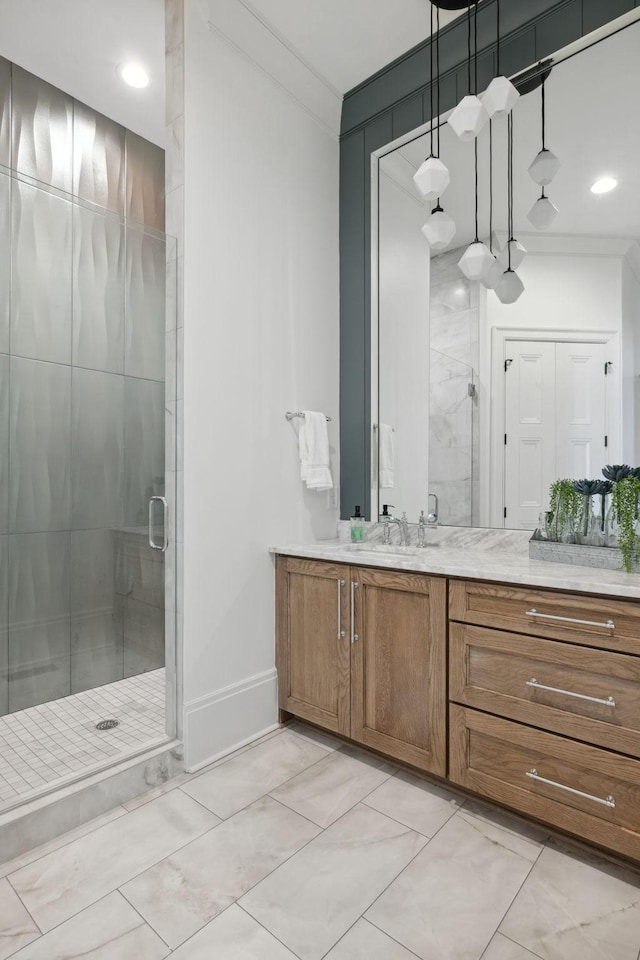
x,y
606,802
354,635
608,702
609,625
340,630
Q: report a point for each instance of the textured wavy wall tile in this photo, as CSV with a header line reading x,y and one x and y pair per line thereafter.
x,y
5,261
5,112
4,446
144,200
41,275
145,306
42,130
96,649
40,446
97,442
98,158
4,624
143,447
98,291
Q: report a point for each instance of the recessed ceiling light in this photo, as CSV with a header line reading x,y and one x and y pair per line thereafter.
x,y
134,75
604,185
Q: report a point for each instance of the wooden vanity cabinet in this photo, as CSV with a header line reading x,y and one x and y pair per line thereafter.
x,y
362,652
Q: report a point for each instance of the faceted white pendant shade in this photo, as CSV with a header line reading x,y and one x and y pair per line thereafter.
x,y
542,213
493,276
544,167
476,261
500,97
468,118
518,253
439,229
432,179
510,287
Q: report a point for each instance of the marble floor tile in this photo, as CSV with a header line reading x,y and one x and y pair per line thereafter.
x,y
234,935
501,948
243,779
108,930
365,942
325,791
320,737
311,901
17,928
75,876
415,802
181,894
449,901
575,907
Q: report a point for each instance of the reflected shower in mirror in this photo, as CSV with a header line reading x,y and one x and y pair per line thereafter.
x,y
490,402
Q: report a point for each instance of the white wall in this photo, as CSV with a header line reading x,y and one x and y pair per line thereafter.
x,y
631,357
261,337
403,350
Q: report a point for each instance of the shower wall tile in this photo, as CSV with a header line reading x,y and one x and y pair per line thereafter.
x,y
5,261
41,298
145,318
143,447
93,571
39,664
42,130
40,446
4,625
98,291
98,159
96,650
4,443
143,637
5,113
97,444
144,194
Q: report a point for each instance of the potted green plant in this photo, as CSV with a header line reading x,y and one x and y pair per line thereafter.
x,y
625,511
564,506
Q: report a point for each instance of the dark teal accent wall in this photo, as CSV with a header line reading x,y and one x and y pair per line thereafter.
x,y
387,105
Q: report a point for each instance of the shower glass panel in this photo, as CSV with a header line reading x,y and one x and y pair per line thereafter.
x,y
453,425
82,444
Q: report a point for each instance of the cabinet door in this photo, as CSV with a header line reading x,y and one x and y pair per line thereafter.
x,y
398,683
312,641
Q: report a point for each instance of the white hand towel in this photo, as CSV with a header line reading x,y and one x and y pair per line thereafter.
x,y
386,455
313,441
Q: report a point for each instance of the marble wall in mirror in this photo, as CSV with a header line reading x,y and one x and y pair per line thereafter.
x,y
457,369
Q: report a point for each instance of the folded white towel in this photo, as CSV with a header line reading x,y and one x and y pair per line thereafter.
x,y
386,454
313,441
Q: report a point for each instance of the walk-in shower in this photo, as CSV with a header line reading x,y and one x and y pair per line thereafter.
x,y
84,346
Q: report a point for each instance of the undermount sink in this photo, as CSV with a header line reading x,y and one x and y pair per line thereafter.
x,y
389,549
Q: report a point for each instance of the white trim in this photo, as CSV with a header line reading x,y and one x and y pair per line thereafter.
x,y
375,333
229,718
496,427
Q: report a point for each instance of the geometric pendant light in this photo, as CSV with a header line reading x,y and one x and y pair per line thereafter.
x,y
470,116
500,96
543,212
477,260
545,165
510,286
491,278
439,229
432,179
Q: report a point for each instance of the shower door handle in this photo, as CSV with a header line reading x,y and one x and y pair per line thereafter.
x,y
165,510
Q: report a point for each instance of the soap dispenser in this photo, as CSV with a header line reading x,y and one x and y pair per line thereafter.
x,y
357,526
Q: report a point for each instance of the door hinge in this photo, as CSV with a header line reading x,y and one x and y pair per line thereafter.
x,y
505,513
606,441
507,364
607,367
505,439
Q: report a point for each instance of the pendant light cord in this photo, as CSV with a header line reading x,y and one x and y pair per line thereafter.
x,y
438,74
497,38
469,47
490,184
431,75
475,48
510,188
543,115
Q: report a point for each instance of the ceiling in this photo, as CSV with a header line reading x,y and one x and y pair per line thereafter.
x,y
591,126
77,45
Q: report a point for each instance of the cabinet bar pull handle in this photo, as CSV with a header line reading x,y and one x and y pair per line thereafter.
x,y
609,625
608,702
354,635
340,630
606,802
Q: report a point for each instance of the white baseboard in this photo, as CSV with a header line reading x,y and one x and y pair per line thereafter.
x,y
229,718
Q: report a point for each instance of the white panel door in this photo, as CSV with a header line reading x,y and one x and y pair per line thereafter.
x,y
529,429
581,403
555,421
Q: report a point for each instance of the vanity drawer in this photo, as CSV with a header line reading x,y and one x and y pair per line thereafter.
x,y
582,789
595,694
577,618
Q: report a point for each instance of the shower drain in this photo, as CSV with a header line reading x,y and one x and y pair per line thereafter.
x,y
107,724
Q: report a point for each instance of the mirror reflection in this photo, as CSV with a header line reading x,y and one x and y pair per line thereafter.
x,y
481,403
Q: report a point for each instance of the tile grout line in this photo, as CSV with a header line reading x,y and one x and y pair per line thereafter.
x,y
255,920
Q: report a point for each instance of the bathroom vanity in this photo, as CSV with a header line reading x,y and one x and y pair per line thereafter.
x,y
516,679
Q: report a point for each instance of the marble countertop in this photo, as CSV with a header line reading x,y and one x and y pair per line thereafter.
x,y
470,553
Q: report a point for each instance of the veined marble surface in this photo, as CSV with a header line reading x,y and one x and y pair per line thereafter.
x,y
470,553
